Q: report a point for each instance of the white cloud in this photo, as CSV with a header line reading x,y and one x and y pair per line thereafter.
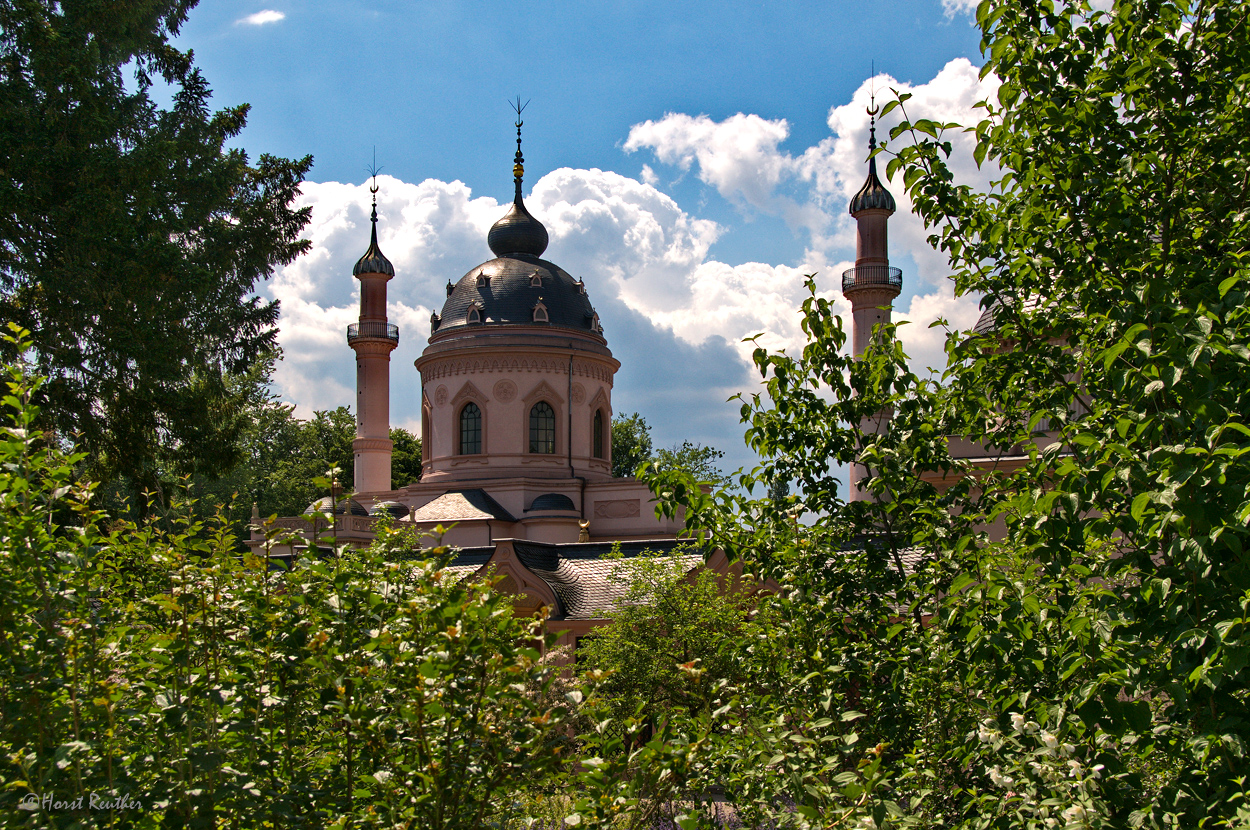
x,y
925,346
737,156
954,7
673,314
261,18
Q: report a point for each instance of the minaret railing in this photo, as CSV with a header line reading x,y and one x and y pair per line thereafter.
x,y
865,275
379,331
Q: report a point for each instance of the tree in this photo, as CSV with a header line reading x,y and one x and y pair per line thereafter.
x,y
671,635
405,458
1089,669
631,444
131,239
631,448
698,460
354,688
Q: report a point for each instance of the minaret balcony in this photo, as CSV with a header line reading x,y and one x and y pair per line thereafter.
x,y
863,276
373,331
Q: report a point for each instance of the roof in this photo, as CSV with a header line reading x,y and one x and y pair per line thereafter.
x,y
873,195
342,507
463,506
373,262
580,574
551,501
506,290
582,578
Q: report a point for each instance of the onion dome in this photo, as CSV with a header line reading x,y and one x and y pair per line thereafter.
x,y
373,262
344,507
392,508
517,287
517,232
873,195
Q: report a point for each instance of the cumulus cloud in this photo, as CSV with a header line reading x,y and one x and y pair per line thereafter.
x,y
742,158
674,315
738,156
954,7
260,18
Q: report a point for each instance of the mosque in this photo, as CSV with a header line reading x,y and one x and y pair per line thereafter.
x,y
516,412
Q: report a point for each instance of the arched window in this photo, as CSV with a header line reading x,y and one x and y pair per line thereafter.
x,y
596,431
542,428
470,429
475,313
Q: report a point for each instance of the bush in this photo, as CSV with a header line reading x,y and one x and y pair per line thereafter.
x,y
154,668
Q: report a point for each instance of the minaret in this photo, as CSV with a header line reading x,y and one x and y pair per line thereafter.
x,y
373,339
872,284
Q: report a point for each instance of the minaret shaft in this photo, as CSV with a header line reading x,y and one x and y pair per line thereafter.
x,y
373,339
870,286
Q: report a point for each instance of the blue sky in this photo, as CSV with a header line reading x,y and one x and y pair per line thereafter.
x,y
691,160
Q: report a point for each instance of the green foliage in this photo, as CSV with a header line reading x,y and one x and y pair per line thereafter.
x,y
1064,640
695,459
405,458
132,238
631,448
631,444
672,632
152,662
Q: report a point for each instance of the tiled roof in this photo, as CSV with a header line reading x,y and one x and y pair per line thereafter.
x,y
582,578
468,561
463,506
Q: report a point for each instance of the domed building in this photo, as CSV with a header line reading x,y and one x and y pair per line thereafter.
x,y
516,426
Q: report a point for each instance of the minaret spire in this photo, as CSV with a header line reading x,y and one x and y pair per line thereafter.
x,y
373,338
872,284
518,232
518,162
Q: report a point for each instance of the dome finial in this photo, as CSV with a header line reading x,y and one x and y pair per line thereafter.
x,y
518,161
374,262
518,232
873,109
873,194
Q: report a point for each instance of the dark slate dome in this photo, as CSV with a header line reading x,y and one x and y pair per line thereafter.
x,y
517,233
873,195
341,508
552,501
508,289
394,508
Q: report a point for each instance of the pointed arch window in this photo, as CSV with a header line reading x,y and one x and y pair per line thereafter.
x,y
542,428
596,431
475,313
540,312
470,429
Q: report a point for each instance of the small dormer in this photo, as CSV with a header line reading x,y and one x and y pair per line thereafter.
x,y
475,313
434,321
536,280
581,286
592,321
450,288
483,281
540,312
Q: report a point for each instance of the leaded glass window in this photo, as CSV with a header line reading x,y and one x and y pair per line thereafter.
x,y
596,430
470,429
542,428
